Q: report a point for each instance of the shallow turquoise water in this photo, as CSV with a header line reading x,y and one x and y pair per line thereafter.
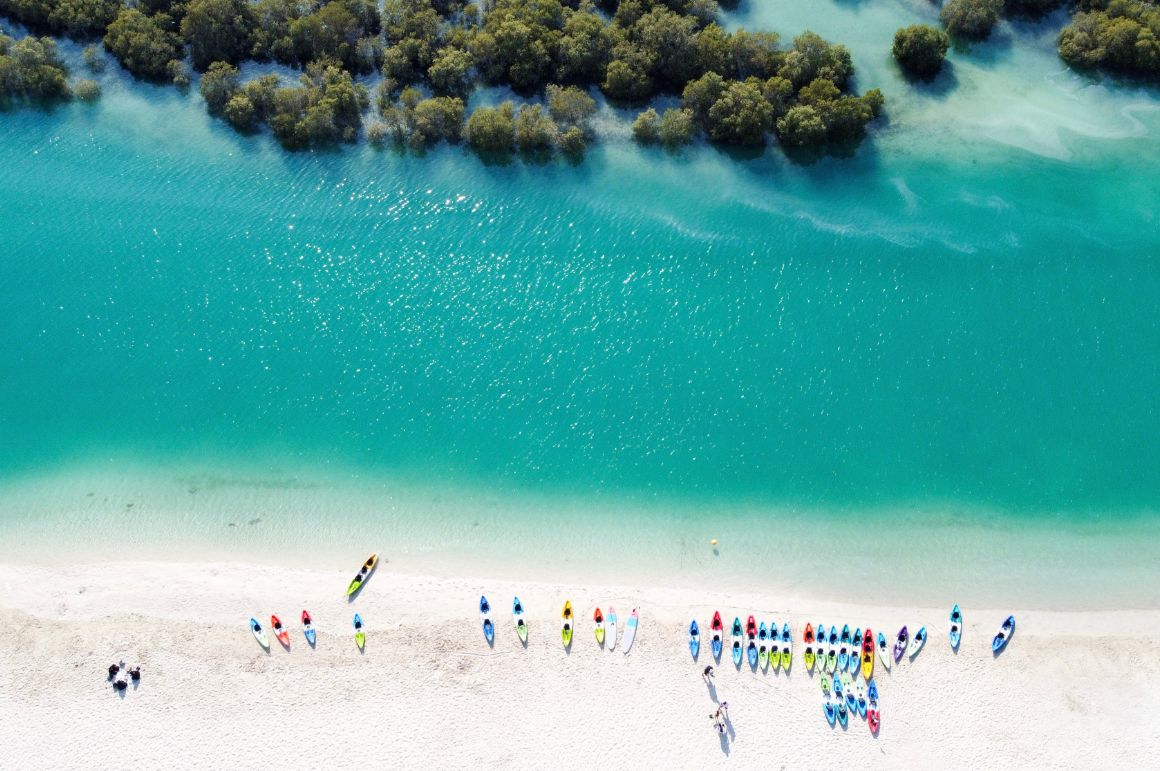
x,y
956,330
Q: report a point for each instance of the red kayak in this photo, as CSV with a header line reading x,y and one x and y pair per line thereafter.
x,y
280,631
308,628
717,621
874,719
809,636
751,628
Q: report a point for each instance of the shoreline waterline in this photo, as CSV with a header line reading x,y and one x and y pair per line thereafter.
x,y
922,554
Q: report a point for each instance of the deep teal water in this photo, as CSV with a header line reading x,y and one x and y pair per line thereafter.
x,y
962,316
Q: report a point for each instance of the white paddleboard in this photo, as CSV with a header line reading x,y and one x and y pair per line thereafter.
x,y
610,629
630,631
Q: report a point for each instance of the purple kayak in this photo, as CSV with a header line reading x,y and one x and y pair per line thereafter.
x,y
900,643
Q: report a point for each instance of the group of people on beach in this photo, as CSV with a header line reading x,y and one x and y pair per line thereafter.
x,y
120,684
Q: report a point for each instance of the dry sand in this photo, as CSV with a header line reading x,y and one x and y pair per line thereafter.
x,y
1072,690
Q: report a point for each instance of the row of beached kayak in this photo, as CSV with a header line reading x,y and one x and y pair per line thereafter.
x,y
282,635
604,628
764,645
843,693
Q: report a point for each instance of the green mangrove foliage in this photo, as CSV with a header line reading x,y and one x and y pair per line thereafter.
x,y
970,19
552,53
920,49
31,71
1117,35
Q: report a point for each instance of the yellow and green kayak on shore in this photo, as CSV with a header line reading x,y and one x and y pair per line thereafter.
x,y
363,574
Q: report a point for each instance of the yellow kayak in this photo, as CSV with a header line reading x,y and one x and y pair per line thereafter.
x,y
566,624
363,574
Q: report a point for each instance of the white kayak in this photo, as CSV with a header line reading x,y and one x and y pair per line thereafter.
x,y
884,657
610,629
916,643
630,631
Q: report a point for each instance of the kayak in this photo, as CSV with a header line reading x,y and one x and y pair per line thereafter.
x,y
610,628
867,655
848,689
872,694
360,635
916,643
308,628
831,652
900,643
736,642
280,631
566,624
843,715
630,631
855,643
751,629
363,574
956,627
485,619
808,638
883,651
763,646
826,682
837,686
1003,636
694,639
259,633
751,653
874,719
786,647
860,692
830,710
598,618
843,654
518,617
717,629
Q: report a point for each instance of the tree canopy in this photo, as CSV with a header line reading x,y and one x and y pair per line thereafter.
x,y
920,49
735,85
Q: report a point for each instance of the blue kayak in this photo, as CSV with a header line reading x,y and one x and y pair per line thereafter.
x,y
694,639
872,693
751,653
485,618
831,712
956,628
1003,636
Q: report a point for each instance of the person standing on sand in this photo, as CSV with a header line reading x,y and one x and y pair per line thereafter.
x,y
708,673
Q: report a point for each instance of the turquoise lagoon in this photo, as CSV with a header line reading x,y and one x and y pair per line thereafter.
x,y
933,363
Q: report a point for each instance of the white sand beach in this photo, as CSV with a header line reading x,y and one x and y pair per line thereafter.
x,y
1071,691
